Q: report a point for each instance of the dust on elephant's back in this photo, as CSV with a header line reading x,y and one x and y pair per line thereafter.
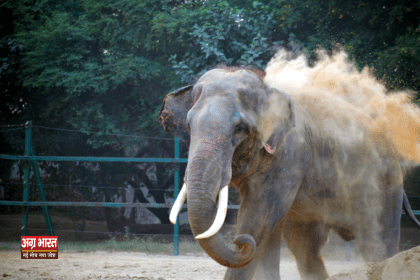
x,y
334,89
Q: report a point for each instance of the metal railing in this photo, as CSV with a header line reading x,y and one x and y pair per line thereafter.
x,y
31,163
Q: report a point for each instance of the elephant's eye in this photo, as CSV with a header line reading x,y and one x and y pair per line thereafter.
x,y
241,128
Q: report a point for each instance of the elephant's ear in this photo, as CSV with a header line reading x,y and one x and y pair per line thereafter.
x,y
173,114
277,118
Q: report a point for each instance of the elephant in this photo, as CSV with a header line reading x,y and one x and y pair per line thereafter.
x,y
298,179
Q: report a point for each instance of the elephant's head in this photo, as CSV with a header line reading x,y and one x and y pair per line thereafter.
x,y
224,117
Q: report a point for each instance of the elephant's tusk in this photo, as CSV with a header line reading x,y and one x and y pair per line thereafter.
x,y
179,202
220,215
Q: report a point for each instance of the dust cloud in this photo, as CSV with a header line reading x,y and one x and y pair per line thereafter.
x,y
358,126
335,85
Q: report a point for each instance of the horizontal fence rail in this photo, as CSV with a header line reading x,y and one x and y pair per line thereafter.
x,y
96,159
107,204
116,159
96,204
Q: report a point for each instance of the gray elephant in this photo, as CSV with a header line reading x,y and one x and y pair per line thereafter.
x,y
297,178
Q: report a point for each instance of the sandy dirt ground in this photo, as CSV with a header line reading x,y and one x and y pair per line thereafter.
x,y
127,265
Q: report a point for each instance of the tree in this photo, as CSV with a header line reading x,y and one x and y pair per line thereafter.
x,y
94,66
229,35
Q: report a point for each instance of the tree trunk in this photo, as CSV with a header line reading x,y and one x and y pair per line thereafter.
x,y
161,213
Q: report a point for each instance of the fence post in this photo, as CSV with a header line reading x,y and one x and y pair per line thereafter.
x,y
41,193
26,186
176,191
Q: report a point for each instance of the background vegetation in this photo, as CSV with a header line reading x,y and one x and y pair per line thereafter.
x,y
104,66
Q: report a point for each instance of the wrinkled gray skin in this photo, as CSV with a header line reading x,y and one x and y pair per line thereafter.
x,y
294,192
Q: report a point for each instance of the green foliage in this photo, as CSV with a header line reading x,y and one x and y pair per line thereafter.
x,y
224,34
96,63
90,66
381,34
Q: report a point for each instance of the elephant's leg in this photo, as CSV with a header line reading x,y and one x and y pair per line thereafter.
x,y
269,264
378,234
260,215
305,240
266,263
247,272
265,227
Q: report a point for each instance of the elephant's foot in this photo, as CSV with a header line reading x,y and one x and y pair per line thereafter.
x,y
314,271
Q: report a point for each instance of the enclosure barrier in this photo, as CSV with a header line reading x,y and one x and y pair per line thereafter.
x,y
31,160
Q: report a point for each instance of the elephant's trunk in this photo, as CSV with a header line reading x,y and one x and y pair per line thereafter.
x,y
204,179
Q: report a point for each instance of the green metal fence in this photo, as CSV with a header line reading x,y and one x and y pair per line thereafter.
x,y
31,163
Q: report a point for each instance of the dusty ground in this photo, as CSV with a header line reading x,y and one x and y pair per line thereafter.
x,y
194,266
125,265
